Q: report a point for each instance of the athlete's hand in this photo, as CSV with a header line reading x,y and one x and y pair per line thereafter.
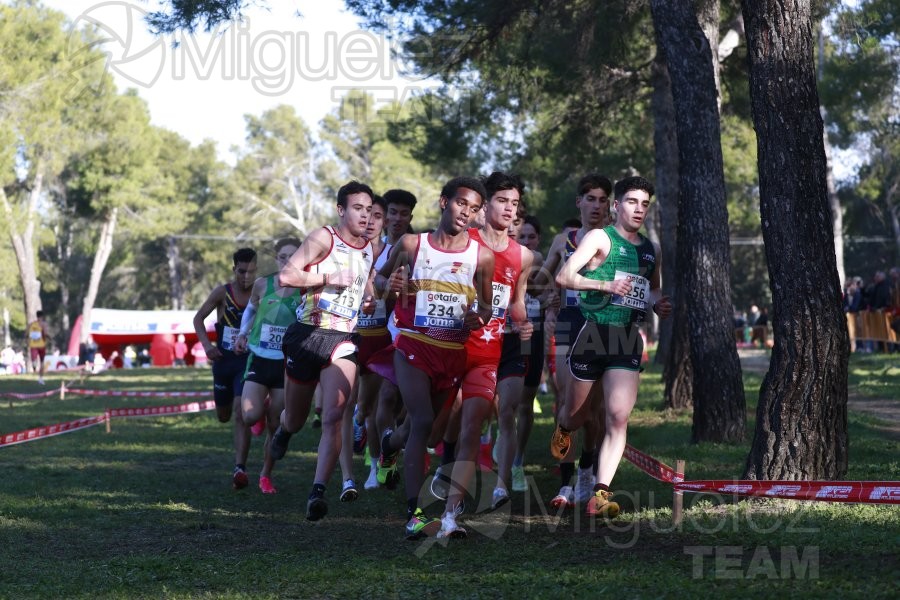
x,y
620,287
471,319
368,305
553,300
341,279
398,280
663,307
525,330
240,344
213,353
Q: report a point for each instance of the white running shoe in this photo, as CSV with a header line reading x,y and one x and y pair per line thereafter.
x,y
584,485
565,498
449,528
372,481
499,498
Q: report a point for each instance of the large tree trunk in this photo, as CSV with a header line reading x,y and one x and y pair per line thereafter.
x,y
101,257
801,426
176,292
704,262
673,350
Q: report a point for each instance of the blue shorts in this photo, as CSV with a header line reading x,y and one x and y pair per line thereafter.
x,y
228,378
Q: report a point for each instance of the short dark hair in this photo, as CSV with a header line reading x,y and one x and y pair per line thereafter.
x,y
534,222
499,181
287,241
244,255
635,182
450,188
593,181
573,222
403,197
379,200
350,188
40,314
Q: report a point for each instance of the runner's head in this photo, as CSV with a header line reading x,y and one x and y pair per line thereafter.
x,y
460,198
530,232
398,212
284,250
504,192
376,218
593,200
632,202
354,203
40,314
516,226
244,268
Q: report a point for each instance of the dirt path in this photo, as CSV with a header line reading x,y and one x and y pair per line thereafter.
x,y
884,409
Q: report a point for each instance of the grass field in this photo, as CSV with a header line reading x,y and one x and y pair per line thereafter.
x,y
147,511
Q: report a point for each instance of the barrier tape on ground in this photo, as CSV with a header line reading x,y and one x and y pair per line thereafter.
x,y
652,467
29,435
869,492
134,394
191,407
18,396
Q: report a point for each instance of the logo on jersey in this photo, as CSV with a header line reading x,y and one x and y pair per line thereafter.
x,y
508,273
623,251
649,257
342,247
460,268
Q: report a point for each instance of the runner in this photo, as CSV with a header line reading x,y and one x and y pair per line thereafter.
x,y
271,310
438,276
620,281
592,202
334,266
37,344
512,262
229,301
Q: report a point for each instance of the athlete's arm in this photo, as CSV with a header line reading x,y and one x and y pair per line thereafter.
x,y
368,301
484,290
313,249
595,244
517,311
213,302
662,305
395,271
249,315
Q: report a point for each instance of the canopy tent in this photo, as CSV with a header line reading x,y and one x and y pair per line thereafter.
x,y
112,330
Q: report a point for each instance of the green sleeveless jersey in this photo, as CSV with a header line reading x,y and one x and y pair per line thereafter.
x,y
625,261
273,316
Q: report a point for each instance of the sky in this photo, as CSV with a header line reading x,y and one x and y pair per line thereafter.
x,y
202,88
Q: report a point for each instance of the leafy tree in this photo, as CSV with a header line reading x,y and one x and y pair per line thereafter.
x,y
801,429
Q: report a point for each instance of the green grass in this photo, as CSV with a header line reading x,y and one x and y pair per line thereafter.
x,y
147,511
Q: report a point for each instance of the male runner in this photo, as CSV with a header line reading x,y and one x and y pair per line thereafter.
x,y
334,266
620,282
37,344
229,301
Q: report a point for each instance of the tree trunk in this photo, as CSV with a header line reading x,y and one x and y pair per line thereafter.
x,y
704,262
801,426
673,350
101,257
176,292
837,213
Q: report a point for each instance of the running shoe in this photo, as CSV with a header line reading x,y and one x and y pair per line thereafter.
x,y
387,473
349,493
259,427
316,508
601,506
265,485
239,479
440,484
565,497
449,528
360,435
519,483
559,443
499,498
584,485
279,444
420,526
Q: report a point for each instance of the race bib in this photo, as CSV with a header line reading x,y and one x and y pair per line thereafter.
x,y
36,335
499,300
637,297
532,308
439,309
270,336
571,297
344,303
376,319
229,335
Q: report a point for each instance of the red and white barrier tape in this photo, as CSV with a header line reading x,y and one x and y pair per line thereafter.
x,y
27,396
870,492
135,394
29,435
651,466
155,411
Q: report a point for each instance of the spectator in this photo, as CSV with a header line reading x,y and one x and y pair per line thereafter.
x,y
199,354
181,351
852,294
881,292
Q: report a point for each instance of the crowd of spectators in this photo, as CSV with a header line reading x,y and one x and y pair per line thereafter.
x,y
879,298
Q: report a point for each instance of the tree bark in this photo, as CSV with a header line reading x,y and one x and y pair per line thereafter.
x,y
704,262
101,257
801,426
176,291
